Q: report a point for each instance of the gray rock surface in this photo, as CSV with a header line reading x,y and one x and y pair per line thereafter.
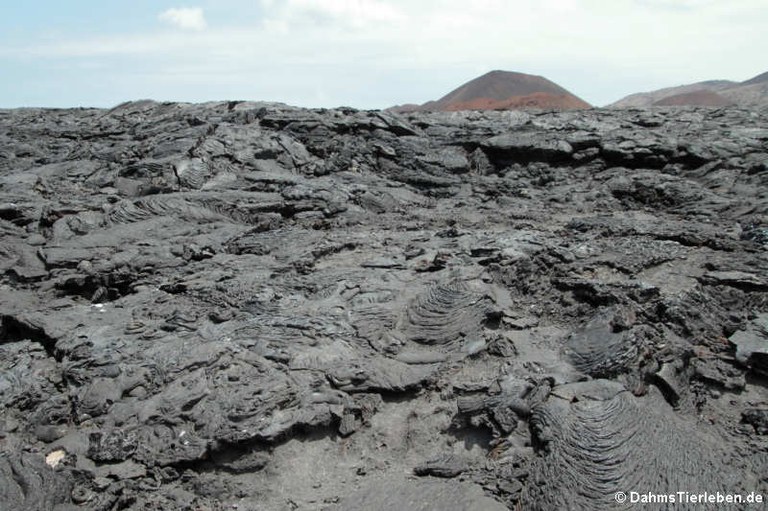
x,y
253,306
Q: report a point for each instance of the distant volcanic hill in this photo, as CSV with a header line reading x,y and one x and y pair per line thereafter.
x,y
697,98
503,90
749,93
761,78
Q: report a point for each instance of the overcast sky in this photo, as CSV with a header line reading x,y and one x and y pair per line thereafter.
x,y
364,53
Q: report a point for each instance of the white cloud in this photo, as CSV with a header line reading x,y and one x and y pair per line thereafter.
x,y
187,18
340,13
676,4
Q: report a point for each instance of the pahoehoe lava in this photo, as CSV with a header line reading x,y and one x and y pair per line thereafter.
x,y
597,439
261,307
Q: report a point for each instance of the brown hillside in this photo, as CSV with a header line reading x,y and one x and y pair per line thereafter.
x,y
696,98
542,100
752,93
504,90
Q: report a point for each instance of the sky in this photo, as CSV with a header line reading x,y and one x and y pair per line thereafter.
x,y
364,53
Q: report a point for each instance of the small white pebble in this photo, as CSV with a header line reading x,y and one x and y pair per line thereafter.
x,y
55,457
